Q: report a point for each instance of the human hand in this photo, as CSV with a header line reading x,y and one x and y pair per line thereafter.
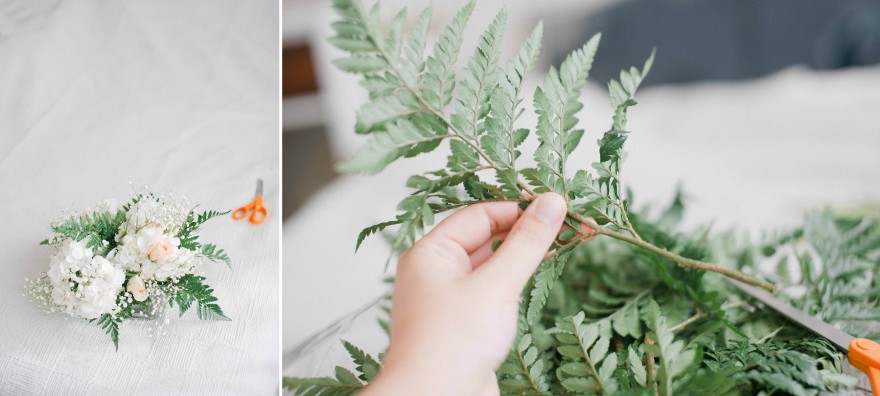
x,y
455,303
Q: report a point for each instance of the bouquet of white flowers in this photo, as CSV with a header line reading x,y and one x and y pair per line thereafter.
x,y
115,262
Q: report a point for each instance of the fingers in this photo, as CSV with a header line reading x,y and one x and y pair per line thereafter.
x,y
464,232
483,253
515,261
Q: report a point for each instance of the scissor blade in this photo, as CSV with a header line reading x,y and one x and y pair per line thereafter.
x,y
838,338
259,186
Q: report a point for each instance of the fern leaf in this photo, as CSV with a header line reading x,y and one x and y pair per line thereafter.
x,y
367,366
502,139
674,357
479,80
439,82
211,252
545,277
556,104
524,371
412,64
345,384
110,325
372,230
583,349
387,146
191,289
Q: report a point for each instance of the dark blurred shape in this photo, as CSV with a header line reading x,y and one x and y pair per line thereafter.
x,y
307,166
297,71
728,39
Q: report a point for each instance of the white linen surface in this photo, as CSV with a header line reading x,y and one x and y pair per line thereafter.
x,y
182,96
753,155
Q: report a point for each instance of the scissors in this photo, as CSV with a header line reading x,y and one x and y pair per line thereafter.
x,y
256,206
861,353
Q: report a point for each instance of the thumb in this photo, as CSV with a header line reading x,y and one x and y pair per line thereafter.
x,y
522,251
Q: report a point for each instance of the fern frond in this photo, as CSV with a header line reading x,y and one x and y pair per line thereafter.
x,y
367,366
191,289
524,371
387,146
345,384
211,252
502,138
557,103
439,82
545,277
675,358
479,80
583,349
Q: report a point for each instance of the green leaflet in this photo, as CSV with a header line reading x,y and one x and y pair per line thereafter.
x,y
556,104
675,358
549,271
192,224
502,138
367,366
523,373
110,325
345,384
387,146
439,81
479,80
191,289
211,252
587,366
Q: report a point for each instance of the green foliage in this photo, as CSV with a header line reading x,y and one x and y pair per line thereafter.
x,y
631,314
788,366
191,289
211,252
110,325
587,364
525,370
192,224
98,229
345,384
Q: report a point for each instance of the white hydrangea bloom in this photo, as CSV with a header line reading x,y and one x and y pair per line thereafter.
x,y
154,255
84,285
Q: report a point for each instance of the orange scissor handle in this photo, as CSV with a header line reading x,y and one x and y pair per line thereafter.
x,y
257,207
864,355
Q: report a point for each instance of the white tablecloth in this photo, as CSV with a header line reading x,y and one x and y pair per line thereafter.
x,y
182,96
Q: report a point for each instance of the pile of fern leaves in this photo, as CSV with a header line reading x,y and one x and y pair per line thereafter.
x,y
634,311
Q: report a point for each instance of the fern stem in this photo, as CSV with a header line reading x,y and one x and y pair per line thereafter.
x,y
686,322
636,240
651,368
681,261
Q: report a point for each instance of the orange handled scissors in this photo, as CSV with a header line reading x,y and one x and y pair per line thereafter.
x,y
862,353
256,206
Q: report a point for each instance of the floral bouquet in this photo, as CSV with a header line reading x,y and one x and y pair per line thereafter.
x,y
115,262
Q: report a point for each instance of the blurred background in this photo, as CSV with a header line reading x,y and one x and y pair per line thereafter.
x,y
759,110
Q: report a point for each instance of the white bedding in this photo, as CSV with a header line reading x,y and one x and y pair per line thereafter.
x,y
182,96
753,155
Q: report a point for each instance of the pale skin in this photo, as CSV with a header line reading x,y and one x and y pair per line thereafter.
x,y
455,303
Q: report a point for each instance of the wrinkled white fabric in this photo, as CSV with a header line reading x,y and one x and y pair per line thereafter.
x,y
182,96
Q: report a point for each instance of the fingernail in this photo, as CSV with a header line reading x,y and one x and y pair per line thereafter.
x,y
550,208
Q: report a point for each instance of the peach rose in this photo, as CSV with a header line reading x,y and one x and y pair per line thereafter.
x,y
162,249
136,288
